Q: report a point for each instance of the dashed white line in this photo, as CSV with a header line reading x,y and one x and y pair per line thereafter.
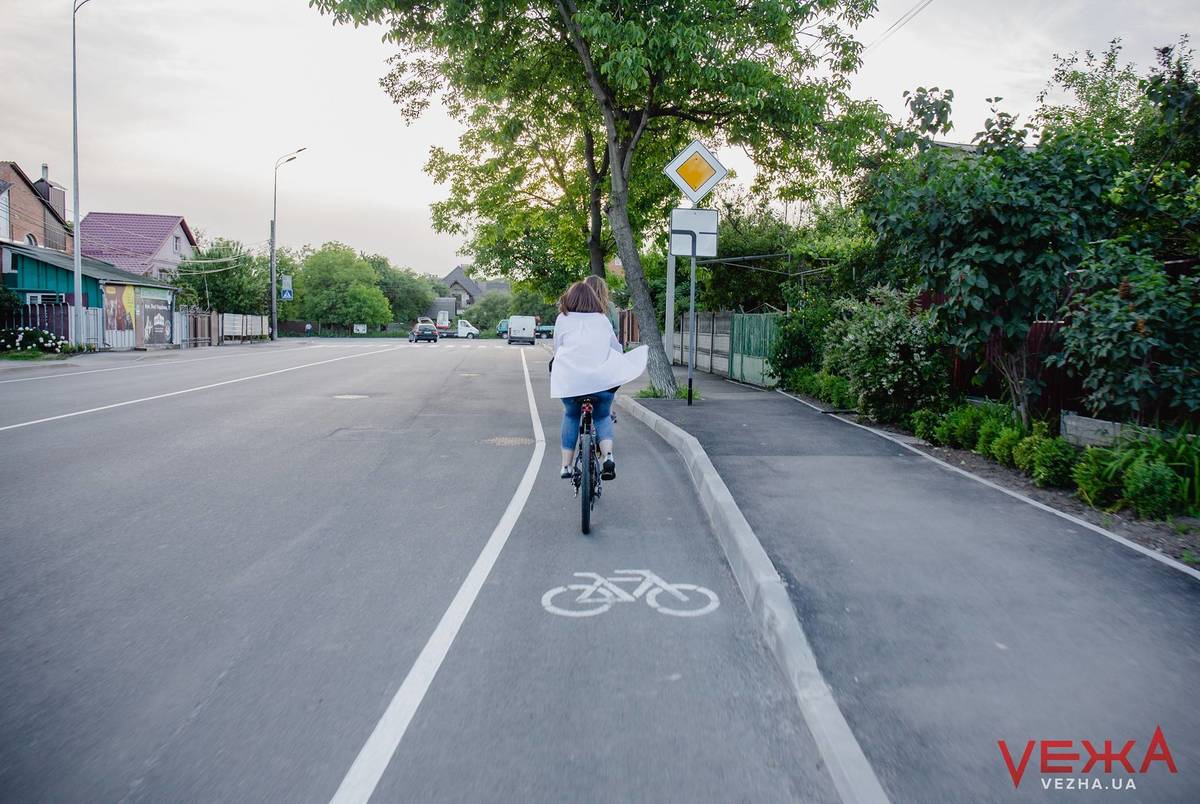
x,y
377,752
189,390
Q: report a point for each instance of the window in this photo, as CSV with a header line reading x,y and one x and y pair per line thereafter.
x,y
30,239
176,244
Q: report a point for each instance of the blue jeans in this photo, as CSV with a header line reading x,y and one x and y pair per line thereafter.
x,y
601,417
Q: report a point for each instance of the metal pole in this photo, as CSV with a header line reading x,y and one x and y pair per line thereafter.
x,y
77,244
692,325
669,329
274,212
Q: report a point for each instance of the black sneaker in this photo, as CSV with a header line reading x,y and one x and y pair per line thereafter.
x,y
609,470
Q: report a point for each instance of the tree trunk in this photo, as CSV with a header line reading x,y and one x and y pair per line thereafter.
x,y
595,194
659,365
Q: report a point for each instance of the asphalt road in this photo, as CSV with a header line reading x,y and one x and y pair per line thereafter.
x,y
947,616
218,567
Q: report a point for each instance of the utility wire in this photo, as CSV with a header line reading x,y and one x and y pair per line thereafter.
x,y
903,20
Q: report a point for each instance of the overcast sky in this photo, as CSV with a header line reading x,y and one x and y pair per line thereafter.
x,y
184,107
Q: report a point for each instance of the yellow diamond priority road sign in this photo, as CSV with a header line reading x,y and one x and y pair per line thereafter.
x,y
695,171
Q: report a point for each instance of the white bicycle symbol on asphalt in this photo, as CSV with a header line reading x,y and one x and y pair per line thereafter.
x,y
598,595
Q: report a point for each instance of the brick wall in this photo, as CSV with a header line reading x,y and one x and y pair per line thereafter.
x,y
27,213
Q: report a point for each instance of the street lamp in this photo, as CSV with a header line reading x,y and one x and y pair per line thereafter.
x,y
76,235
280,162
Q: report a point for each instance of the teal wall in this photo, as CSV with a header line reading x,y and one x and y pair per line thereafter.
x,y
35,276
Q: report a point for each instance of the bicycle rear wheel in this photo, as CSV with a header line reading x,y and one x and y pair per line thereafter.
x,y
585,483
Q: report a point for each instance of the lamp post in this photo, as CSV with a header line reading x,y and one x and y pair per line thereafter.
x,y
280,162
77,245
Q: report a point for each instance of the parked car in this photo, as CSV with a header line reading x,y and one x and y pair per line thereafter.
x,y
544,331
522,328
502,328
463,329
423,332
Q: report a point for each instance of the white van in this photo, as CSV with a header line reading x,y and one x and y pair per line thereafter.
x,y
522,328
463,329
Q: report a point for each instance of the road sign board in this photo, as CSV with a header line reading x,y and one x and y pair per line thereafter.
x,y
695,171
285,294
694,232
360,329
285,287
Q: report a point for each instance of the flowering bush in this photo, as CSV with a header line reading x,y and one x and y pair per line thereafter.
x,y
891,354
29,339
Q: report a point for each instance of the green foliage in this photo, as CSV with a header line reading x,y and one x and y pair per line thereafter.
x,y
989,429
339,287
408,295
1132,338
226,278
1096,477
9,301
1053,460
997,234
527,301
923,422
1151,488
821,385
1005,442
1102,94
489,309
32,340
1179,450
890,353
801,336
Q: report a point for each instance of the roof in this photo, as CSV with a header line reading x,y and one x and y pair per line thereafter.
x,y
127,239
96,269
460,276
21,174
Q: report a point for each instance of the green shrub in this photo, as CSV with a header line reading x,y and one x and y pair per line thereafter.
x,y
1002,446
966,425
1152,488
1179,450
1023,452
943,431
801,335
988,430
836,391
891,355
1097,477
923,423
1053,460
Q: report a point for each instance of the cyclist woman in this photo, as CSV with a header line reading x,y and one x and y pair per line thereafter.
x,y
589,361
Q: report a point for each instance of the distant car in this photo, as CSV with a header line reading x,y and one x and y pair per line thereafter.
x,y
502,328
423,332
522,328
544,331
425,320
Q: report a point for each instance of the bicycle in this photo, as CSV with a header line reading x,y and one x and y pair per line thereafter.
x,y
600,593
587,469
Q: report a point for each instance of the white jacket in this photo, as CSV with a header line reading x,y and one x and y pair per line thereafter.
x,y
588,356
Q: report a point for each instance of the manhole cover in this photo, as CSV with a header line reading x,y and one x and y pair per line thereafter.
x,y
508,441
350,396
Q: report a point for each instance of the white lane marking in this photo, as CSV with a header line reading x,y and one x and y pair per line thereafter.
x,y
155,363
189,390
598,595
1170,562
377,752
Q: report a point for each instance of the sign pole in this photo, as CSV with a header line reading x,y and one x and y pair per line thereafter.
x,y
669,329
692,326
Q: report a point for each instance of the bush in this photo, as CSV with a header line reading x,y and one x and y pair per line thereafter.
x,y
1152,488
1097,477
31,339
891,356
1002,447
820,385
1053,460
923,423
988,431
801,336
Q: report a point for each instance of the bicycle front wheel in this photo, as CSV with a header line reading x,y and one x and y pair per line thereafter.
x,y
585,483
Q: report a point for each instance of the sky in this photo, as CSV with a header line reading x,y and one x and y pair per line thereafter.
x,y
184,107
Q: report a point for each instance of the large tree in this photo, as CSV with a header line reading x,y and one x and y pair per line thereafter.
x,y
766,75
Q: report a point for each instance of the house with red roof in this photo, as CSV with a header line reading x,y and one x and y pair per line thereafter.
x,y
150,245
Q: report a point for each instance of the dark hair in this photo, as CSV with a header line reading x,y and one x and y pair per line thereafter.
x,y
580,298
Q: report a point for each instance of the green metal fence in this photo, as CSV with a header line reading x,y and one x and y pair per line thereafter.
x,y
752,337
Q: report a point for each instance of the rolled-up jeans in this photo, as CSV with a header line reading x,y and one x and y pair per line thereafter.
x,y
601,417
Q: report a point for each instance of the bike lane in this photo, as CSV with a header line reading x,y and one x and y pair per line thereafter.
x,y
627,704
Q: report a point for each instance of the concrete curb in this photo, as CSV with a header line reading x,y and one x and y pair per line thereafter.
x,y
773,613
